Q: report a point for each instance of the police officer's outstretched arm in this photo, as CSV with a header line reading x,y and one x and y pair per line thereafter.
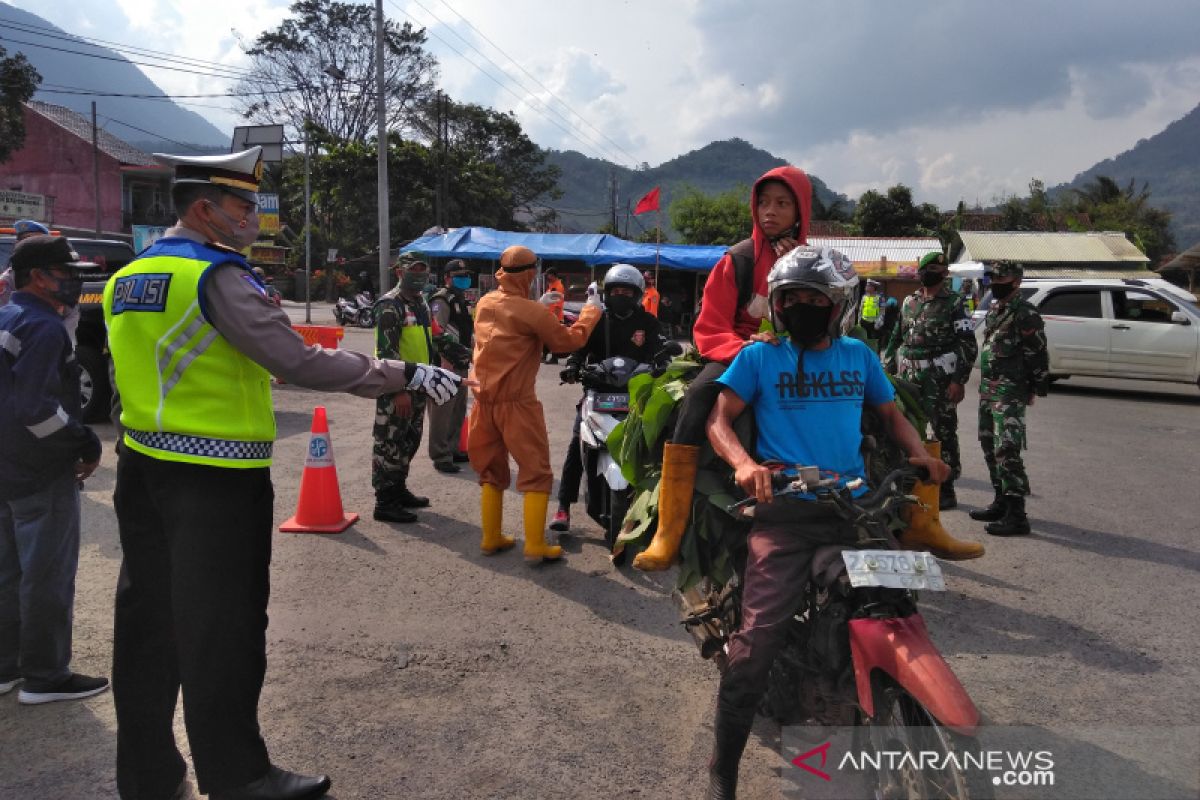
x,y
262,331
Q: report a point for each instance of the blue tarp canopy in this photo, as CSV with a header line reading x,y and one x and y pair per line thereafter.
x,y
590,248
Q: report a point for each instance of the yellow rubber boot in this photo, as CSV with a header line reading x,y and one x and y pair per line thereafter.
x,y
674,507
925,531
536,549
490,517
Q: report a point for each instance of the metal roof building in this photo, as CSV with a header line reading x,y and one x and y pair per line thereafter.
x,y
1101,254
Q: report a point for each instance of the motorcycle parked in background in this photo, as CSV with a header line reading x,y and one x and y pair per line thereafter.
x,y
858,653
358,311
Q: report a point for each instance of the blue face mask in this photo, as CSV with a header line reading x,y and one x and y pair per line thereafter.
x,y
461,282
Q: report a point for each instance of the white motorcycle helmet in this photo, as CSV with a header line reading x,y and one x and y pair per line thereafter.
x,y
823,269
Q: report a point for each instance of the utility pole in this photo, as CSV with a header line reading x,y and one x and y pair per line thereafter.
x,y
96,165
612,200
444,178
307,229
381,124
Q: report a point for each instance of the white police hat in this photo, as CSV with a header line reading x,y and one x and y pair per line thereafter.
x,y
236,173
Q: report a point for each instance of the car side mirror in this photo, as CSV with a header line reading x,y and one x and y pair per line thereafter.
x,y
1180,317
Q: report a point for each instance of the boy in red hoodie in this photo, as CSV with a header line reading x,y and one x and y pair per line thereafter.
x,y
735,308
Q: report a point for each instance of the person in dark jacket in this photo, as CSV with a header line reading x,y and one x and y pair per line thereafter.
x,y
46,453
626,329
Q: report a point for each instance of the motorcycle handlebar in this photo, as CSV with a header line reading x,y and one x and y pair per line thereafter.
x,y
886,487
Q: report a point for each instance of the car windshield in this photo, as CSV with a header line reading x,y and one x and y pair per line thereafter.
x,y
1187,305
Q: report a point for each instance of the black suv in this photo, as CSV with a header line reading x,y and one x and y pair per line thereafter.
x,y
109,255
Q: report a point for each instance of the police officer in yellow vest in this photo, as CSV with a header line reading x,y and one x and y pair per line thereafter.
x,y
870,313
194,339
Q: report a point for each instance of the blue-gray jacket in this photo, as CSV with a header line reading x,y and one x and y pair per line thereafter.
x,y
41,433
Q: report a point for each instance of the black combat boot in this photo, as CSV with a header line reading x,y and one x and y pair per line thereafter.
x,y
947,499
993,512
393,512
1014,522
409,500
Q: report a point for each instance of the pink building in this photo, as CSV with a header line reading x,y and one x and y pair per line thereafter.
x,y
56,161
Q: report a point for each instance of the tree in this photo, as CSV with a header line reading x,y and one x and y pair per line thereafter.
x,y
716,219
1102,205
18,81
497,174
894,214
319,65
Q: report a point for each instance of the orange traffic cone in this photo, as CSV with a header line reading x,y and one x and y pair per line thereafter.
x,y
320,506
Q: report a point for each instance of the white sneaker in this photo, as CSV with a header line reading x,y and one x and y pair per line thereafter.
x,y
8,686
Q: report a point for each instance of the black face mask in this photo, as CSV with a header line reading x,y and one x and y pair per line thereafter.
x,y
620,306
806,324
1002,291
930,278
68,291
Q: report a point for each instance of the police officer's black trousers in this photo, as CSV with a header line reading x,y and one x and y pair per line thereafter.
x,y
191,612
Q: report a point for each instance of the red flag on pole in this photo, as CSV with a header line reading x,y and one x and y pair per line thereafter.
x,y
649,202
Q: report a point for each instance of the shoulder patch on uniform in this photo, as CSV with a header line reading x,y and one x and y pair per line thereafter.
x,y
253,281
145,291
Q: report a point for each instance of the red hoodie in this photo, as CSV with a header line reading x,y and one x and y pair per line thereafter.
x,y
722,329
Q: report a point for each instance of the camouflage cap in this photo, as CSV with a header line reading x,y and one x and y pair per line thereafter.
x,y
1004,269
936,258
407,260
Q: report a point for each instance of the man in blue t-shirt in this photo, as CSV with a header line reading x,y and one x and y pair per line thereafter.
x,y
807,393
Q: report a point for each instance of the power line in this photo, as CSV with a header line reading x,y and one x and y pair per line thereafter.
x,y
573,134
162,55
532,77
532,94
152,133
124,60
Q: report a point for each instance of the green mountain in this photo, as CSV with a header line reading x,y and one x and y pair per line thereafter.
x,y
717,167
1170,162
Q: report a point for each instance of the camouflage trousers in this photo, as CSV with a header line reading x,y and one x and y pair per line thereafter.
x,y
942,414
1002,437
396,442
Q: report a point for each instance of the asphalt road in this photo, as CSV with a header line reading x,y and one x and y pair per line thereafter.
x,y
407,665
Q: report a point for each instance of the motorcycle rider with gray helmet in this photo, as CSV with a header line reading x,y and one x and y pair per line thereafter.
x,y
626,329
807,391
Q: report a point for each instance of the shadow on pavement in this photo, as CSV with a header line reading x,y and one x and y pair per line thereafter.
x,y
1114,544
1133,392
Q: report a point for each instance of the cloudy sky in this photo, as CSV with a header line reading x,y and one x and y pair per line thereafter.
x,y
960,99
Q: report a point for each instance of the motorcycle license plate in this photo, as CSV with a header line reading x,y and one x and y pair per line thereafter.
x,y
894,569
612,403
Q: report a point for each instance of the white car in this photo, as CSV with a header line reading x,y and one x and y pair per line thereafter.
x,y
1142,328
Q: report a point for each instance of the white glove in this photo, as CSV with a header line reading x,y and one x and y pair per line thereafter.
x,y
550,298
438,384
594,300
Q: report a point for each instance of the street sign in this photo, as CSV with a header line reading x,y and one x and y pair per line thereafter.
x,y
268,213
269,137
19,205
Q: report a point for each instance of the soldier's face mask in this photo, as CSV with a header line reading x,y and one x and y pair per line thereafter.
x,y
931,277
1002,291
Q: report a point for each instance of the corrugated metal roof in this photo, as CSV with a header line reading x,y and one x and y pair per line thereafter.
x,y
1058,248
861,249
82,127
1088,273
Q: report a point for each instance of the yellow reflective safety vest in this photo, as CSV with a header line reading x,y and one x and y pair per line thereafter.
x,y
186,393
870,307
411,321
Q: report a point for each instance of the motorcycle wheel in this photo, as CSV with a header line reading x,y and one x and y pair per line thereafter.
x,y
365,318
901,722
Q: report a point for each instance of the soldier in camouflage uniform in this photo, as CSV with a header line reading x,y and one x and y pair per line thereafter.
x,y
402,330
1014,368
932,346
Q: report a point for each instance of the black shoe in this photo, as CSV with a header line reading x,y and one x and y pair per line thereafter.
x,y
447,467
461,458
992,513
73,687
1014,522
393,512
947,499
409,500
278,784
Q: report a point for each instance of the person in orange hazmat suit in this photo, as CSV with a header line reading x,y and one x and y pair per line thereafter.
x,y
510,331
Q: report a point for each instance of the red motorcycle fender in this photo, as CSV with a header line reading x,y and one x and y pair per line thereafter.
x,y
900,647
